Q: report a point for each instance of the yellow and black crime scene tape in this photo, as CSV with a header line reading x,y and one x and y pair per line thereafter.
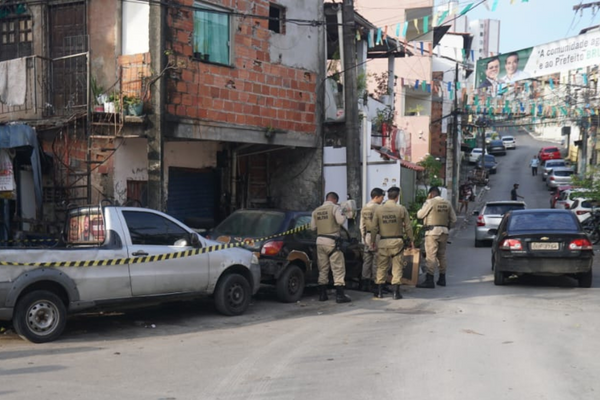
x,y
28,241
147,259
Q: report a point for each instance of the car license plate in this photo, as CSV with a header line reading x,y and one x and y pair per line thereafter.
x,y
544,246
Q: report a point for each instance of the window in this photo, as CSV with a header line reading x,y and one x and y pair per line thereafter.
x,y
306,234
276,18
152,229
16,38
212,34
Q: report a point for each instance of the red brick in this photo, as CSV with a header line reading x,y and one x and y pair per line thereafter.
x,y
182,87
187,75
183,36
176,99
186,100
193,89
218,104
238,108
203,113
192,112
224,94
214,92
181,111
228,106
234,95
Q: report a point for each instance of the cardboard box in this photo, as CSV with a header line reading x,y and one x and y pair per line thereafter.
x,y
410,273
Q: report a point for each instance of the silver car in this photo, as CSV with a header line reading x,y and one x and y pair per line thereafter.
x,y
548,165
490,216
559,176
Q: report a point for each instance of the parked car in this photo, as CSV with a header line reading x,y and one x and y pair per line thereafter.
x,y
549,153
568,196
475,154
114,257
549,164
489,163
496,147
509,142
559,176
542,241
582,207
289,262
557,193
490,216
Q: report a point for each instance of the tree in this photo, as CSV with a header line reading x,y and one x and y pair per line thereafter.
x,y
433,167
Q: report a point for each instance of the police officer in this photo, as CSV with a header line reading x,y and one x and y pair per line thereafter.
x,y
369,270
392,222
326,220
438,216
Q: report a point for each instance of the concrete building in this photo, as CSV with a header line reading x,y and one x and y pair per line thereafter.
x,y
230,103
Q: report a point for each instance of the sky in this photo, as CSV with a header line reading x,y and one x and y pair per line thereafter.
x,y
535,22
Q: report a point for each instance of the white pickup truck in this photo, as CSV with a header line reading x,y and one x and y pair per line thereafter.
x,y
110,256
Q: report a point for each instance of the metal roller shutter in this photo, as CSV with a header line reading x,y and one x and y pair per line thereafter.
x,y
192,195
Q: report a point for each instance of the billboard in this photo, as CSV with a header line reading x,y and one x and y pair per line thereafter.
x,y
533,62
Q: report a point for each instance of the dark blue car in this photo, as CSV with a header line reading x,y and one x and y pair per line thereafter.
x,y
489,163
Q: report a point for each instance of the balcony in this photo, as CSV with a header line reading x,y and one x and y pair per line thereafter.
x,y
52,88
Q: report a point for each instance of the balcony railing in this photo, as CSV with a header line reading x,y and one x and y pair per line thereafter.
x,y
53,87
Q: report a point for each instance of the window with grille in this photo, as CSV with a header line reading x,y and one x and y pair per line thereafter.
x,y
16,37
276,18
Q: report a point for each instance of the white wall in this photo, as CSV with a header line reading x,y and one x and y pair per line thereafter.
x,y
136,23
130,163
299,46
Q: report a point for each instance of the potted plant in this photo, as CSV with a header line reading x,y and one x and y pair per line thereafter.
x,y
112,103
98,94
133,105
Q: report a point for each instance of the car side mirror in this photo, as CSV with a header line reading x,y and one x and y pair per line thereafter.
x,y
194,240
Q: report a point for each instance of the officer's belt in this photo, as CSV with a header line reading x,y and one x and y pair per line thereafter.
x,y
329,237
430,227
390,237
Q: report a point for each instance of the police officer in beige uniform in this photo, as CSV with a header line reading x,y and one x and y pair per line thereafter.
x,y
327,220
369,270
438,216
392,222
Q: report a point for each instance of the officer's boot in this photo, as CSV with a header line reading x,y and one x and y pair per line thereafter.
x,y
323,293
365,285
397,294
379,292
340,297
427,283
442,280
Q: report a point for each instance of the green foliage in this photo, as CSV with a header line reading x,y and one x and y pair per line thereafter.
x,y
417,226
433,169
590,181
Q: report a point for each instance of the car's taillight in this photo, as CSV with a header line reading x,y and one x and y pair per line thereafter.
x,y
580,244
481,220
566,206
271,248
581,212
551,178
511,244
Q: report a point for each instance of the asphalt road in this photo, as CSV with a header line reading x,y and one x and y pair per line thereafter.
x,y
533,339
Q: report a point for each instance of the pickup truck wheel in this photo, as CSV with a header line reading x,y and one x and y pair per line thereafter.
x,y
290,285
40,317
232,296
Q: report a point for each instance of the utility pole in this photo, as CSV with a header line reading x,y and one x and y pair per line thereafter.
x,y
455,144
353,168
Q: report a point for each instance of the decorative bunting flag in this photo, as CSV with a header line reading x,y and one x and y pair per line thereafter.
x,y
466,9
370,38
442,17
416,23
422,48
494,5
426,24
417,84
405,29
551,83
398,29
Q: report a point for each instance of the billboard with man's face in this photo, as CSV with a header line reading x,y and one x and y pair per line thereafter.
x,y
563,55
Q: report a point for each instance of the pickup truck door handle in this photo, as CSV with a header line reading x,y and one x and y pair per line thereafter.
x,y
139,253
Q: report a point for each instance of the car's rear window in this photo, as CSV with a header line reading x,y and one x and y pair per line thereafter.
x,y
541,221
501,209
555,164
251,224
507,139
551,150
563,173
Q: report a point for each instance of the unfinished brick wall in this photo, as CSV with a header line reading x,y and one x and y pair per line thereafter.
x,y
253,91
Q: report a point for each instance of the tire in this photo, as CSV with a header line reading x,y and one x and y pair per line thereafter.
x,y
40,316
232,295
595,236
290,285
585,279
498,277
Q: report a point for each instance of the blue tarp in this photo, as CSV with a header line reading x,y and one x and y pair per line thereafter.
x,y
19,135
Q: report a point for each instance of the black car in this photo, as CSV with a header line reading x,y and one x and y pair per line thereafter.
x,y
544,242
289,262
496,147
488,163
